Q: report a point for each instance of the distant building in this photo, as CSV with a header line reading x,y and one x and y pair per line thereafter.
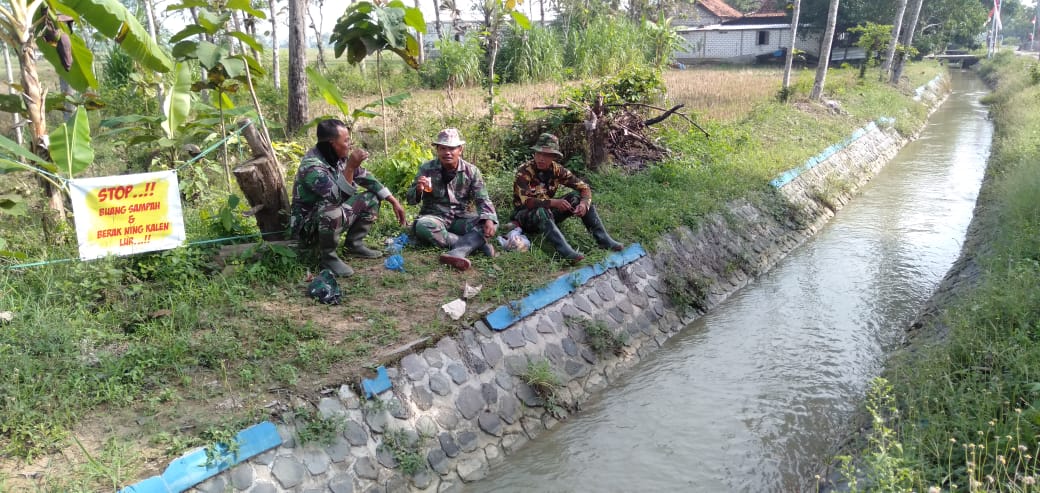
x,y
705,13
762,35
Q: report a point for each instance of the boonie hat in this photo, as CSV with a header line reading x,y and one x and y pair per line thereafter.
x,y
449,137
548,143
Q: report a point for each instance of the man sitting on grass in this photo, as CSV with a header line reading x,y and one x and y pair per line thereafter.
x,y
534,189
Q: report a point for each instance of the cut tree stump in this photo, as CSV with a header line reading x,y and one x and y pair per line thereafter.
x,y
261,181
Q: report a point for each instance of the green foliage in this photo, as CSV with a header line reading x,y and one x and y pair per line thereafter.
x,y
366,28
600,338
607,46
874,39
398,170
971,403
457,65
662,41
406,448
531,55
312,427
118,69
633,85
541,377
885,466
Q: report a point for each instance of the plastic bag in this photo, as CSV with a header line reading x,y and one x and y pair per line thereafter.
x,y
515,241
395,261
324,288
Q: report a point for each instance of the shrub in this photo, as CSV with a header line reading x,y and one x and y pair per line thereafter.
x,y
533,55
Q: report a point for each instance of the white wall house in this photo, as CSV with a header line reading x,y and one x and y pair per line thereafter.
x,y
740,44
733,44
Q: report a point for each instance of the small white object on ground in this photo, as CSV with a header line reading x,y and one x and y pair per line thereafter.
x,y
454,308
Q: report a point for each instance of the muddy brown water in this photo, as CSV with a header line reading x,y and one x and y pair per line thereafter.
x,y
756,395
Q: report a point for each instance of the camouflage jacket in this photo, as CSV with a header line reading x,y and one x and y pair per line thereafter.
x,y
541,186
451,200
319,184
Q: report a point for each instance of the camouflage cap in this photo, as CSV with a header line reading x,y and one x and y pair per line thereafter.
x,y
449,137
547,143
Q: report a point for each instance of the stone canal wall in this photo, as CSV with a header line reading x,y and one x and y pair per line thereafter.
x,y
463,403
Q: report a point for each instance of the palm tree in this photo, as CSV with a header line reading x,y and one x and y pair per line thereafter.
x,y
908,40
789,60
886,68
825,52
437,19
452,8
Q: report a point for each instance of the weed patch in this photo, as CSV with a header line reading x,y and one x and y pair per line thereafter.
x,y
600,338
406,447
686,289
312,427
544,381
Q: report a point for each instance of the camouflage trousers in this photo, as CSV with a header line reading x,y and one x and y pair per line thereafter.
x,y
436,230
539,219
337,218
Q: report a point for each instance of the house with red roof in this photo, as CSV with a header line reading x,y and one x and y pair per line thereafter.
x,y
718,33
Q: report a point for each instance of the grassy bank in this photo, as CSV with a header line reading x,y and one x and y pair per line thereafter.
x,y
963,411
114,366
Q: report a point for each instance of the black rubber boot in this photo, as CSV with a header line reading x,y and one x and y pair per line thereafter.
x,y
354,241
593,223
456,257
327,243
553,234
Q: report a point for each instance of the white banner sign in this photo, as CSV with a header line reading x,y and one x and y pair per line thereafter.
x,y
127,214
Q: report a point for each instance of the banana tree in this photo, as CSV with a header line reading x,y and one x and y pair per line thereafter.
x,y
47,26
367,28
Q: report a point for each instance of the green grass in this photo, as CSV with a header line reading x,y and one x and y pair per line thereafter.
x,y
969,401
166,332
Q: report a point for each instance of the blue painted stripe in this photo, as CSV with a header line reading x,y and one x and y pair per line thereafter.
x,y
504,316
193,468
378,385
789,175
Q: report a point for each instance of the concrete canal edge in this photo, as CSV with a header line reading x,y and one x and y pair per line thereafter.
x,y
462,406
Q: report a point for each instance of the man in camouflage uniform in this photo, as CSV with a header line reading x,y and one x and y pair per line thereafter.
x,y
445,186
534,189
326,200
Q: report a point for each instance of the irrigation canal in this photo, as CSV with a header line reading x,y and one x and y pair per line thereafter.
x,y
755,396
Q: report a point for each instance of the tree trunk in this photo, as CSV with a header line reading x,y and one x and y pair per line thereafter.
x,y
297,107
908,41
321,46
897,24
276,65
17,119
149,8
492,55
789,59
382,101
250,25
437,19
596,135
33,97
260,180
825,52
